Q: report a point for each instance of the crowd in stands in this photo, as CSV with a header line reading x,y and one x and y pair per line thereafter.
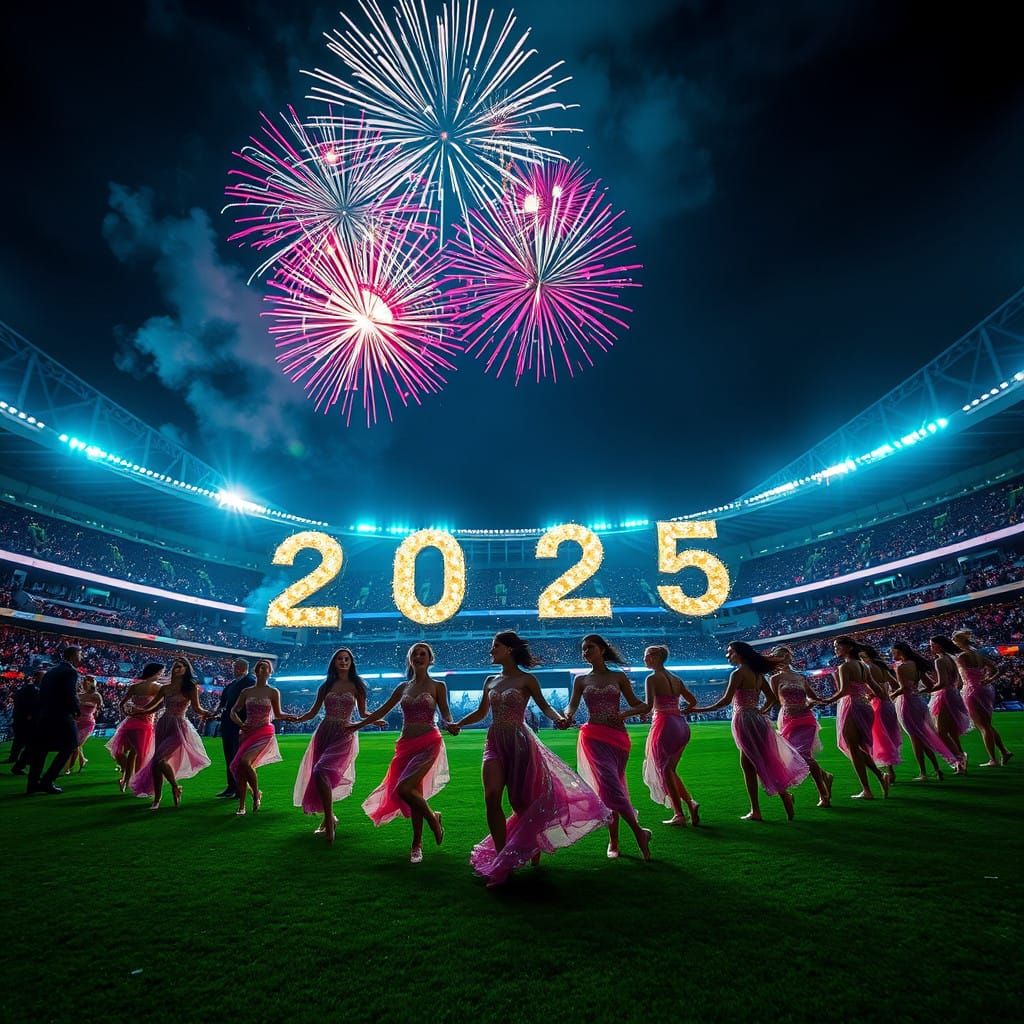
x,y
92,549
970,515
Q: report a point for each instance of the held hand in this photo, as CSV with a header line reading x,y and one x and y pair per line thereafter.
x,y
451,728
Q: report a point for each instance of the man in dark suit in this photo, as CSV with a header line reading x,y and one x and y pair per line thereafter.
x,y
26,706
228,729
55,724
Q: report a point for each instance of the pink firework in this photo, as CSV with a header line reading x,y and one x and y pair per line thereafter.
x,y
328,177
363,322
538,283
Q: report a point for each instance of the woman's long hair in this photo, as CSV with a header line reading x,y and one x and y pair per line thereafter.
x,y
521,653
188,680
754,660
848,641
410,672
610,654
333,675
151,669
908,653
946,645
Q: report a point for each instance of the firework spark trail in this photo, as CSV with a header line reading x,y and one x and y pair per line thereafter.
x,y
542,288
450,100
363,319
326,178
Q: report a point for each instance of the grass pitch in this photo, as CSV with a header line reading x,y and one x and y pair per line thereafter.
x,y
902,910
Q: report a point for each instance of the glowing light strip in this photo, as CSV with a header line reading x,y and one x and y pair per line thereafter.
x,y
110,581
868,620
488,671
860,574
126,634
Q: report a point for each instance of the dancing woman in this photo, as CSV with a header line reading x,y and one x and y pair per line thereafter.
x,y
327,771
257,743
798,725
947,706
419,769
855,717
179,752
764,754
552,806
913,672
602,750
886,738
132,742
667,738
978,672
90,703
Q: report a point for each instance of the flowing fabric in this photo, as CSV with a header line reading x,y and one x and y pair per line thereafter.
x,y
601,756
779,765
666,741
912,712
257,735
86,722
552,806
331,755
855,714
135,733
948,700
886,738
798,725
413,756
177,743
979,696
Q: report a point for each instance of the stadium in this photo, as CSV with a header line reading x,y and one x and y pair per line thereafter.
x,y
139,545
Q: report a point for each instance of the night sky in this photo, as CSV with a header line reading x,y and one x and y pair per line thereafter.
x,y
823,197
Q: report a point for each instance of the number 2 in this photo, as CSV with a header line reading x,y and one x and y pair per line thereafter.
x,y
553,603
282,611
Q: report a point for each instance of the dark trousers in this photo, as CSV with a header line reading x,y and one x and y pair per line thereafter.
x,y
229,737
20,746
59,734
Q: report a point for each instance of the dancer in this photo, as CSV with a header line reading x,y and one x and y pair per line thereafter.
x,y
764,754
855,717
947,706
667,737
552,806
90,703
55,723
913,673
886,738
978,672
253,712
419,769
132,742
327,771
798,725
229,731
179,752
602,749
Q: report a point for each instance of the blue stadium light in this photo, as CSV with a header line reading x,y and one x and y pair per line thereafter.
x,y
366,528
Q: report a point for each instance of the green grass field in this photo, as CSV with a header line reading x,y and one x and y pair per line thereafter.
x,y
904,910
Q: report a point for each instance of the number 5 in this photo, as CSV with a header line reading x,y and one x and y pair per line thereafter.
x,y
671,559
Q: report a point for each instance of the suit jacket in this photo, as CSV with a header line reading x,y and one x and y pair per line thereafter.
x,y
228,697
26,701
58,692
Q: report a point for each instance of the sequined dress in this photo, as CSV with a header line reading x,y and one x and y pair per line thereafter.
x,y
666,740
602,749
331,755
176,742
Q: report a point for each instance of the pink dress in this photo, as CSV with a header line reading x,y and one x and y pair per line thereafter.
x,y
855,711
86,721
602,749
552,806
948,699
912,712
886,738
257,735
331,753
798,725
135,733
666,740
779,765
414,755
979,696
177,743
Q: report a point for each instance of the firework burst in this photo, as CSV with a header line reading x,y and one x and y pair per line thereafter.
x,y
539,285
453,97
314,181
362,322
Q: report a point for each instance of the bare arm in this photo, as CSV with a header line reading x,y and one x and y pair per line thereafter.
x,y
907,685
377,715
992,668
533,689
575,697
641,708
691,700
771,691
158,699
198,708
315,709
275,703
481,712
636,706
726,697
237,706
843,689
